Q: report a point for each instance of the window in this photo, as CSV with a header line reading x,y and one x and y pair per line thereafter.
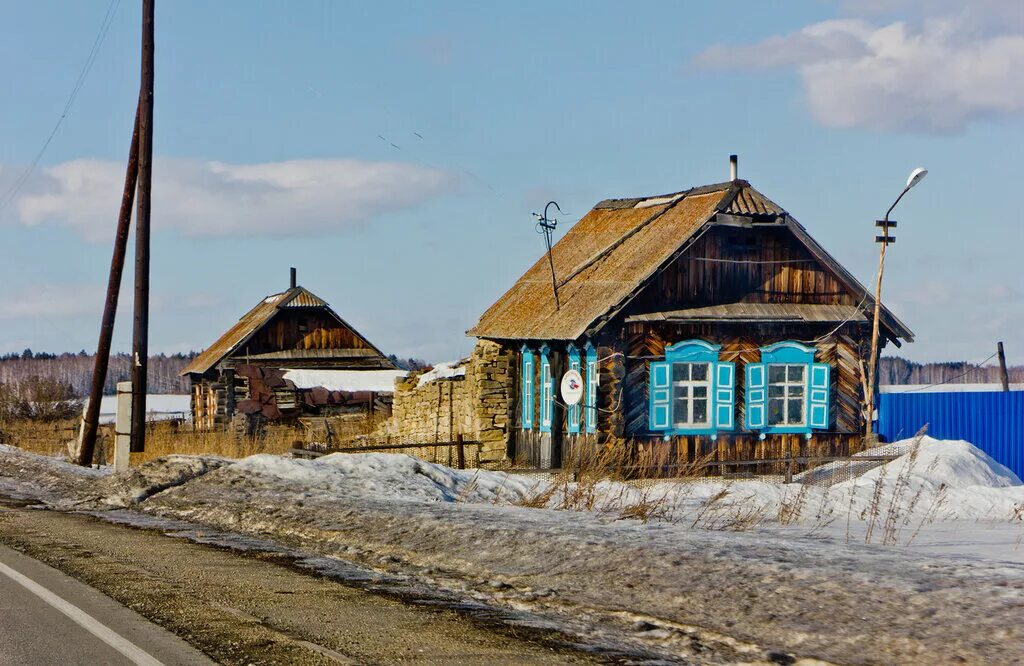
x,y
574,410
691,394
526,389
787,393
590,401
547,390
691,391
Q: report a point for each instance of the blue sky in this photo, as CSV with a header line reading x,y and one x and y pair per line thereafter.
x,y
269,118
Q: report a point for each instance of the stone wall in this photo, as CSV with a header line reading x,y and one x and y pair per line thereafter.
x,y
476,406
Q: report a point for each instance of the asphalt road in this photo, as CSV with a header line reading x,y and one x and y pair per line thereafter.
x,y
47,617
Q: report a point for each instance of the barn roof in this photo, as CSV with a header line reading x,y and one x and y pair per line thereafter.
x,y
616,248
257,318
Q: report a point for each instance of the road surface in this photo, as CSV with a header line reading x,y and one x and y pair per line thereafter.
x,y
47,617
238,609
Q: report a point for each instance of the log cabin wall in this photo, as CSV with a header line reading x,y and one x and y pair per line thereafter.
x,y
303,329
741,345
697,279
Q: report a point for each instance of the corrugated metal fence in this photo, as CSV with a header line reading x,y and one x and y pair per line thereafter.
x,y
992,421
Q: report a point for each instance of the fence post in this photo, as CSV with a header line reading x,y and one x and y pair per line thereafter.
x,y
461,451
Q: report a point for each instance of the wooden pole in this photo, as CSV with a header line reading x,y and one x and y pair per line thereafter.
x,y
869,399
1004,377
99,372
460,451
140,332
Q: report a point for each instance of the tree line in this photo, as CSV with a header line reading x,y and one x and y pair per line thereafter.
x,y
74,371
896,370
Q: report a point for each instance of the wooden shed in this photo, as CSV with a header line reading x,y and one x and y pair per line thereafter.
x,y
289,355
708,319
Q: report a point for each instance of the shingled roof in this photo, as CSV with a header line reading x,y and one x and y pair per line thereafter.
x,y
606,257
257,318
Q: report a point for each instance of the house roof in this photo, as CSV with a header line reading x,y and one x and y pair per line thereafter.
x,y
755,312
257,318
612,252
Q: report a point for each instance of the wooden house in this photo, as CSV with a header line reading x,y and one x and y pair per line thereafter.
x,y
289,355
709,319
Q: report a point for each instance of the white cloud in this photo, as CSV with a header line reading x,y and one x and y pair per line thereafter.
x,y
934,76
52,301
195,198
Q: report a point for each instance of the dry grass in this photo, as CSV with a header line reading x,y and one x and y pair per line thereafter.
x,y
165,439
46,438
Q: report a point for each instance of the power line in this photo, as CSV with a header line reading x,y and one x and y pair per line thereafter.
x,y
977,366
90,60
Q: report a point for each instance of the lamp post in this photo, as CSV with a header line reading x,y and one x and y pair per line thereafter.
x,y
884,240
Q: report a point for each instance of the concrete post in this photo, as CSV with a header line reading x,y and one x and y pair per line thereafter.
x,y
123,426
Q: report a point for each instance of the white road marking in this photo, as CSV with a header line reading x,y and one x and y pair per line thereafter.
x,y
101,631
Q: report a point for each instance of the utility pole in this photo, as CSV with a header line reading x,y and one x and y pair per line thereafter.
x,y
87,445
1004,377
885,239
140,331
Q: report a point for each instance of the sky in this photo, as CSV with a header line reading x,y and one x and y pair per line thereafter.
x,y
393,152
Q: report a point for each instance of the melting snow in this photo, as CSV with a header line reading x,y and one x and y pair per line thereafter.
x,y
351,381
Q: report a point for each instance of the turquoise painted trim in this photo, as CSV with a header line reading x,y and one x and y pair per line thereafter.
x,y
526,388
816,392
788,351
574,410
694,351
660,396
547,390
590,400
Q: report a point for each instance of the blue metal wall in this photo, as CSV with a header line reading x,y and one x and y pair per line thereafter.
x,y
993,421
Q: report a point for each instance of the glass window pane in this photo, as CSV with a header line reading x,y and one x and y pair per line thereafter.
x,y
776,391
796,390
681,392
680,372
795,411
700,372
700,391
700,411
775,411
796,373
776,373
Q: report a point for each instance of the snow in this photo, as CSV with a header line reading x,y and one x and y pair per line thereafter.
x,y
350,381
159,407
684,577
448,370
398,476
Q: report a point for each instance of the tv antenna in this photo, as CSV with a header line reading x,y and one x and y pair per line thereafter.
x,y
546,227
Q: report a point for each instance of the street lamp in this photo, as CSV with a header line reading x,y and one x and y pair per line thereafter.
x,y
916,176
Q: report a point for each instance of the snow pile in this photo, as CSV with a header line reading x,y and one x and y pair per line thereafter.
x,y
142,482
350,381
448,370
24,474
159,407
393,476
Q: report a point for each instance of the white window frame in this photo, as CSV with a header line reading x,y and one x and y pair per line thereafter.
x,y
786,397
690,384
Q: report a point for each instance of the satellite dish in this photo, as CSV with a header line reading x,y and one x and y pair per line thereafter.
x,y
572,387
916,176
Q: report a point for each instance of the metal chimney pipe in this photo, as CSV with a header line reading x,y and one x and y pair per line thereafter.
x,y
734,167
293,277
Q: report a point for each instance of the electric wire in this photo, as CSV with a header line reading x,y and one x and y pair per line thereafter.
x,y
12,192
975,368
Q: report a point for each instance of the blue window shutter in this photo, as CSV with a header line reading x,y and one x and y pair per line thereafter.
x,y
818,397
546,391
725,395
756,388
660,396
527,391
590,413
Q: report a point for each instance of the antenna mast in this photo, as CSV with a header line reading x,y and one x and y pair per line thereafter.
x,y
546,227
